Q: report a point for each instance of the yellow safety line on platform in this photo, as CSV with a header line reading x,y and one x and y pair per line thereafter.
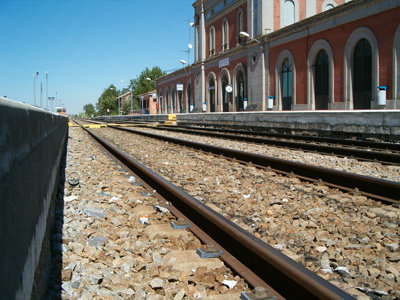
x,y
170,123
94,126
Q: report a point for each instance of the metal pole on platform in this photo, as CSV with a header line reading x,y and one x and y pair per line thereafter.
x,y
34,87
41,93
47,90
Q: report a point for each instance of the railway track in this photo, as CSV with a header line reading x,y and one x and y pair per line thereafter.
x,y
257,262
378,189
385,153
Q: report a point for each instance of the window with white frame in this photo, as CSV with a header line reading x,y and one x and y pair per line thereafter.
x,y
225,35
328,6
212,41
240,26
288,13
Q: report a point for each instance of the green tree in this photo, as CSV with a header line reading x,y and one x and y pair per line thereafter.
x,y
89,110
107,100
141,84
126,107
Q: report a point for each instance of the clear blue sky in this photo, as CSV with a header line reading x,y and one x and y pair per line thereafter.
x,y
85,45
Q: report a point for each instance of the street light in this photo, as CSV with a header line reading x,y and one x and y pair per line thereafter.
x,y
35,75
246,35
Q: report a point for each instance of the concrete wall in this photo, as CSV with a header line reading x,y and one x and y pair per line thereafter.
x,y
32,148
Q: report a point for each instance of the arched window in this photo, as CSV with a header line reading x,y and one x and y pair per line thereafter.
x,y
288,13
240,26
328,7
225,35
196,44
212,41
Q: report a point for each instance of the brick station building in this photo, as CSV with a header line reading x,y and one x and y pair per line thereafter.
x,y
288,55
148,103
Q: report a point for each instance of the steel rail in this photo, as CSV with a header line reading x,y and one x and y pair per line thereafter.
x,y
287,277
378,189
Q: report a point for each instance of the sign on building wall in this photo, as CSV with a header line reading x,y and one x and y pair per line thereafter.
x,y
223,62
179,86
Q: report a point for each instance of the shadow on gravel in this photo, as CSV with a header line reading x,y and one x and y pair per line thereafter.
x,y
54,276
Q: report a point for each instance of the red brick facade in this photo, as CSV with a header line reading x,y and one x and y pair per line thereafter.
x,y
283,63
231,18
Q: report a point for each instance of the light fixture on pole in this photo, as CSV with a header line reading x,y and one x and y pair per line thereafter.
x,y
35,75
246,35
183,62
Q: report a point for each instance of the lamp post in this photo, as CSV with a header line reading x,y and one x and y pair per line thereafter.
x,y
41,93
148,79
188,106
35,75
119,101
246,35
47,90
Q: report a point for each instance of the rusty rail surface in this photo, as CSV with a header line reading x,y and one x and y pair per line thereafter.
x,y
285,276
378,189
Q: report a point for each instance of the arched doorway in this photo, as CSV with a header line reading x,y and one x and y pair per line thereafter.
x,y
362,75
179,88
160,102
211,93
240,91
173,101
168,105
189,97
224,93
287,85
321,79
